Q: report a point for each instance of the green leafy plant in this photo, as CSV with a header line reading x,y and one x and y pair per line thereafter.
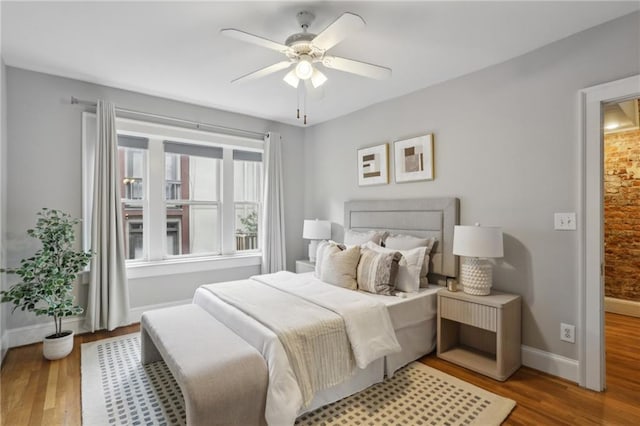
x,y
48,276
249,224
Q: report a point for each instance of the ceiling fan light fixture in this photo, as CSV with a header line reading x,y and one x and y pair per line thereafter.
x,y
291,79
304,69
318,78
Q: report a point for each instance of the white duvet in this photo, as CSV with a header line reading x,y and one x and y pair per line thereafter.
x,y
367,322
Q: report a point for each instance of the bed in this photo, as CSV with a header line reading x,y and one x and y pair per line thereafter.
x,y
412,317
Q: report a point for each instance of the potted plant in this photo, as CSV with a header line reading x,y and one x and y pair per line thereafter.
x,y
47,278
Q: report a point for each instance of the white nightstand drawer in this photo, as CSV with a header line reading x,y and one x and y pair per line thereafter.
x,y
473,314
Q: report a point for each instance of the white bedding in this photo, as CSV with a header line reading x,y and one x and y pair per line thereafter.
x,y
367,321
315,338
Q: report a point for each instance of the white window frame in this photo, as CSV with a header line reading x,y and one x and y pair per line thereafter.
x,y
156,261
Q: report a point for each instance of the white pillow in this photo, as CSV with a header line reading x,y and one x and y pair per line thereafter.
x,y
406,242
358,238
409,266
320,254
339,266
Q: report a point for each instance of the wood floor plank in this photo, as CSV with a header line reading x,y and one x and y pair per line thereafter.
x,y
40,392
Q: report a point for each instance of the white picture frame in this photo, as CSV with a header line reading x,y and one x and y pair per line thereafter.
x,y
373,165
413,159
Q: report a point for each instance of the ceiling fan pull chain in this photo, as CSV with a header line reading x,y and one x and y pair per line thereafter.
x,y
304,102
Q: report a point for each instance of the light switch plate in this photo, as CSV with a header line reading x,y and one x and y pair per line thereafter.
x,y
564,221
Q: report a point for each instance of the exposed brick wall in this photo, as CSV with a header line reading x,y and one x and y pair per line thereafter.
x,y
622,214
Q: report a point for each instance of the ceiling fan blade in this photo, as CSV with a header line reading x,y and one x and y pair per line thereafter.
x,y
338,30
263,71
254,39
356,67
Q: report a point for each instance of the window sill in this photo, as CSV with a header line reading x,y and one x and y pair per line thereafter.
x,y
182,266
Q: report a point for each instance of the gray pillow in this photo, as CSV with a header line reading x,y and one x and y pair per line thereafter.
x,y
377,271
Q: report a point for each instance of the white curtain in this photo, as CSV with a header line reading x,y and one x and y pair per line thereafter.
x,y
274,256
108,302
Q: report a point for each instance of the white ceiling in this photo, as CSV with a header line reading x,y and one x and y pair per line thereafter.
x,y
174,49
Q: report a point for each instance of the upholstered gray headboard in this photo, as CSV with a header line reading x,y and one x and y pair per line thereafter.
x,y
420,217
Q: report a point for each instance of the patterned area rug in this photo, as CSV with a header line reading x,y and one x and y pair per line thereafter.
x,y
118,390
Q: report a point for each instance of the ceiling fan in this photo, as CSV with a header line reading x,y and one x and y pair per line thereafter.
x,y
303,50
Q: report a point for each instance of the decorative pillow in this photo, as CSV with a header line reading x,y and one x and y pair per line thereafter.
x,y
339,267
406,242
358,238
320,251
409,266
377,271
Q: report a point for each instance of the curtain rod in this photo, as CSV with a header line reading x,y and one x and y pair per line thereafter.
x,y
197,125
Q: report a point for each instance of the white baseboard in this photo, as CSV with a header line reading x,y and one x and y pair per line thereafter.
x,y
136,313
5,346
622,306
550,363
35,333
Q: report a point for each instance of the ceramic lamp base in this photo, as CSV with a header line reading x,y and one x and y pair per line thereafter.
x,y
313,247
476,276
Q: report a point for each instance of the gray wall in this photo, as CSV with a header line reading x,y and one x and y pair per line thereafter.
x,y
3,196
506,144
44,147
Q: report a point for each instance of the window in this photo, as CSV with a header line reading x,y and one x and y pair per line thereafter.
x,y
247,178
132,158
184,193
192,197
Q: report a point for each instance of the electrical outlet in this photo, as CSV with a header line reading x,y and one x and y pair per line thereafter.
x,y
564,221
568,332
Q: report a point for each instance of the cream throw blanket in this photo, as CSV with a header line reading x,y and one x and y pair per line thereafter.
x,y
314,338
368,324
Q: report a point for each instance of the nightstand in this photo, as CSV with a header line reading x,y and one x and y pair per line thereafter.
x,y
305,265
481,333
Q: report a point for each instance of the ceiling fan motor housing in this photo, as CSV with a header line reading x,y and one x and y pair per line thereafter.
x,y
300,43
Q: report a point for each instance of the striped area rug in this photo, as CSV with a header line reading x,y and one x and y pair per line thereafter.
x,y
118,390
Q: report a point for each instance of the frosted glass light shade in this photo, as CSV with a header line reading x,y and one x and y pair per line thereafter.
x,y
478,241
304,69
291,79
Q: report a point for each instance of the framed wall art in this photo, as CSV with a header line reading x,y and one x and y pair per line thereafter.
x,y
373,165
414,159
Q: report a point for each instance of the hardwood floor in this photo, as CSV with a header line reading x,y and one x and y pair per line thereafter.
x,y
548,400
35,391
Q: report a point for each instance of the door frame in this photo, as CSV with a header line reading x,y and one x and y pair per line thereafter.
x,y
591,235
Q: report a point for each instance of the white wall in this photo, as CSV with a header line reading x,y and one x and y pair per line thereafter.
x,y
506,144
44,148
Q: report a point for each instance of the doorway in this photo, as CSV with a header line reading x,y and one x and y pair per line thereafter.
x,y
621,170
591,235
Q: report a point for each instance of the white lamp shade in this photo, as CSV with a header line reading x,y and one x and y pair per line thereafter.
x,y
478,241
316,229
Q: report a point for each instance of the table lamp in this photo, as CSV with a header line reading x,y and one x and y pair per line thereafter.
x,y
475,244
315,230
